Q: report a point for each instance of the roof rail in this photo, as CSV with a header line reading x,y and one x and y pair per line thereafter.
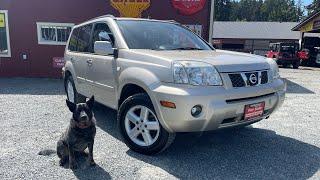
x,y
171,20
107,15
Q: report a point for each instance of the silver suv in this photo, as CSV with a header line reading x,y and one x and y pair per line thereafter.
x,y
162,78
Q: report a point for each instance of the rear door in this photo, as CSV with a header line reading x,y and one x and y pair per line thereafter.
x,y
82,57
76,58
101,73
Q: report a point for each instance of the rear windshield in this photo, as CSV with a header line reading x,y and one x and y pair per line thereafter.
x,y
287,48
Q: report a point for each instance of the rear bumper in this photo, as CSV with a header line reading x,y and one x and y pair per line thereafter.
x,y
221,107
287,61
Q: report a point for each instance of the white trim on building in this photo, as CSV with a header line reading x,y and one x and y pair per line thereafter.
x,y
254,30
52,35
8,54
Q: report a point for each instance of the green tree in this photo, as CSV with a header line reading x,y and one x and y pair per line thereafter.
x,y
300,10
314,6
280,10
258,10
222,10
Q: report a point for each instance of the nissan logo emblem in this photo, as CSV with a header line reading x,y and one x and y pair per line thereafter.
x,y
253,79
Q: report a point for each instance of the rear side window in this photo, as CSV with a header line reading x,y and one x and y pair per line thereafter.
x,y
84,38
73,40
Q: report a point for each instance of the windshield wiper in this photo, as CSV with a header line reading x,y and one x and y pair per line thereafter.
x,y
187,48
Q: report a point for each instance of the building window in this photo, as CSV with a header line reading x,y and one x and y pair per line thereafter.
x,y
4,35
53,33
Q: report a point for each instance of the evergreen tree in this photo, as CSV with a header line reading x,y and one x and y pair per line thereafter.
x,y
258,10
314,6
222,10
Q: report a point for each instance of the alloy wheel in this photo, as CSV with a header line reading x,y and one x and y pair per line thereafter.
x,y
70,91
142,126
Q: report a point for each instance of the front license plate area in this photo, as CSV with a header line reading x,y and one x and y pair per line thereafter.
x,y
253,111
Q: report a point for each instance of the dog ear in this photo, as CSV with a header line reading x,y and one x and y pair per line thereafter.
x,y
90,102
72,106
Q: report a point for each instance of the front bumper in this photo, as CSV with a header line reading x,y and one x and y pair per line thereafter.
x,y
63,71
221,107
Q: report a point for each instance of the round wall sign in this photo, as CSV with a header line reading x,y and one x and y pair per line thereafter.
x,y
188,7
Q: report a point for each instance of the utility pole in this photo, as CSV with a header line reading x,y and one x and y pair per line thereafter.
x,y
211,22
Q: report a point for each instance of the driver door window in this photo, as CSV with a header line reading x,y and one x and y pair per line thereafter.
x,y
102,33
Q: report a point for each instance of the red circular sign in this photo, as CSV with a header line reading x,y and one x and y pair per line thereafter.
x,y
188,7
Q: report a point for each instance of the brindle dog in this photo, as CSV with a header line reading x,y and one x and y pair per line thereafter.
x,y
79,135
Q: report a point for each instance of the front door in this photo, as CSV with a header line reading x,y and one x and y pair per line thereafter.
x,y
101,73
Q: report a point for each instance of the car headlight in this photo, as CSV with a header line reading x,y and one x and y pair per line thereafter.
x,y
196,73
274,70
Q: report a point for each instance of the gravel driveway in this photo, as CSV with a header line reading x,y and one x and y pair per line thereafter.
x,y
285,146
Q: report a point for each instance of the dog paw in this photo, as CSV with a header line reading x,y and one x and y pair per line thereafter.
x,y
73,166
92,163
61,163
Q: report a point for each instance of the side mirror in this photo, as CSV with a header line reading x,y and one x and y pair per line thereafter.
x,y
103,48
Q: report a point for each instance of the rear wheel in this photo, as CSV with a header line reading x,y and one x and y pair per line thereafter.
x,y
140,127
72,93
296,64
303,62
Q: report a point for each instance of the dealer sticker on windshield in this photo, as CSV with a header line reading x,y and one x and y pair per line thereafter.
x,y
253,111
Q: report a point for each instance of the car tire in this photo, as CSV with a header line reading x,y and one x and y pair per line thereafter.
x,y
142,132
303,62
72,93
296,64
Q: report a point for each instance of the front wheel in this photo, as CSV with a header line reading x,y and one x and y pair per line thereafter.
x,y
140,127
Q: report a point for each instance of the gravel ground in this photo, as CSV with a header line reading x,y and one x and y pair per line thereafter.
x,y
286,146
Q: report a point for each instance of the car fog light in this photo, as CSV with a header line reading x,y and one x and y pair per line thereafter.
x,y
196,110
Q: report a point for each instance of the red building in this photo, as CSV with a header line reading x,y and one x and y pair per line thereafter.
x,y
33,33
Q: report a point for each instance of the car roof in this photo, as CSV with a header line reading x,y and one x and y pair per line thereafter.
x,y
104,17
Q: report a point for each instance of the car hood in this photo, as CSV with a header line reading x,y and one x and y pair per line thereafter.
x,y
224,61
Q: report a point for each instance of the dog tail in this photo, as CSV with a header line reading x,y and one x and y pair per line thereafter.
x,y
47,152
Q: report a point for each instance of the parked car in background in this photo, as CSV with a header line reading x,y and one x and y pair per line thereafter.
x,y
260,52
303,55
311,44
317,60
163,79
285,54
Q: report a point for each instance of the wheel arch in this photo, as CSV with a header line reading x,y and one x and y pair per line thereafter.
x,y
145,82
139,79
67,74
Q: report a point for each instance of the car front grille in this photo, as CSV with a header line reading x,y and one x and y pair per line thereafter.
x,y
237,80
264,77
246,79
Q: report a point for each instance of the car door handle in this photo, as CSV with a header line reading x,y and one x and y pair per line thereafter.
x,y
89,62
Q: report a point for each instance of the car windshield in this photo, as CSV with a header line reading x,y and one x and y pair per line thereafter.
x,y
155,35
